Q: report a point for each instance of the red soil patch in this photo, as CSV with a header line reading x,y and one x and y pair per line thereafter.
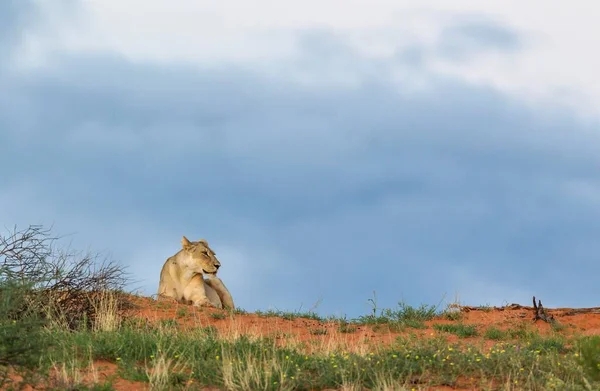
x,y
317,335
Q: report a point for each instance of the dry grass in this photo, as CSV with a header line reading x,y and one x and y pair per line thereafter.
x,y
107,309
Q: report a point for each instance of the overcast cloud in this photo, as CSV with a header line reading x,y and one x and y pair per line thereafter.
x,y
323,175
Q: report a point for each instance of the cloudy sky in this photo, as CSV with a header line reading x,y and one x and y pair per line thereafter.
x,y
325,149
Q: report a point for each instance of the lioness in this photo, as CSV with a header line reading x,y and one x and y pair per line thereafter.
x,y
182,277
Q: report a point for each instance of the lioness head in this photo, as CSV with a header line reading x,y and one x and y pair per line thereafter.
x,y
203,259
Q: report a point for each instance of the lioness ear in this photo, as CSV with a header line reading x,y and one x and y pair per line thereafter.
x,y
185,243
204,242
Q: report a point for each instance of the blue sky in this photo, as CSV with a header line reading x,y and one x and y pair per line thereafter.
x,y
430,157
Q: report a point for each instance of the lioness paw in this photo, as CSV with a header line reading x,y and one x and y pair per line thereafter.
x,y
203,303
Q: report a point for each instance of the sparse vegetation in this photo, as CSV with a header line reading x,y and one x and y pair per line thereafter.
x,y
405,316
345,327
462,330
167,357
218,315
290,315
46,348
320,331
495,334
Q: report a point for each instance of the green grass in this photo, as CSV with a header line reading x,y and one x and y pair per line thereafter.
x,y
452,315
495,334
240,311
218,315
462,330
244,363
399,319
346,328
167,357
290,315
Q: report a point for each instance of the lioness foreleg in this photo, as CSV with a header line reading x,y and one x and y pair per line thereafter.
x,y
195,293
226,299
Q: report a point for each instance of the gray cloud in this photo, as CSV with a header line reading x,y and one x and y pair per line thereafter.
x,y
14,18
307,192
469,37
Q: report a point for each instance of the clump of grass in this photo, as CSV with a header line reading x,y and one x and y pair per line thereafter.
x,y
495,334
290,315
168,323
485,308
345,327
22,342
218,315
461,330
107,312
182,312
210,331
546,344
452,315
588,355
400,318
320,331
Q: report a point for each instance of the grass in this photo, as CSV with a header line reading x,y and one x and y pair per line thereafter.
x,y
61,350
461,330
167,357
290,315
405,316
346,328
218,315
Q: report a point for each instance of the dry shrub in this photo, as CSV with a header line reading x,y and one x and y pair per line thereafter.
x,y
68,289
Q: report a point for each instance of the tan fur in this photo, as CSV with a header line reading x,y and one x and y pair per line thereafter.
x,y
182,277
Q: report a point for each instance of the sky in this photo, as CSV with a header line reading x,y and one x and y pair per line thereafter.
x,y
330,152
